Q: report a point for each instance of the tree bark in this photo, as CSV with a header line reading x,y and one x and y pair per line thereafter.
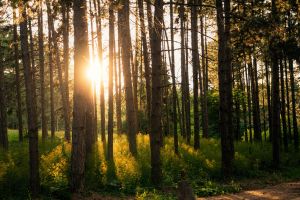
x,y
3,109
66,55
145,56
204,77
110,82
34,178
155,140
81,95
174,91
283,111
294,114
225,86
51,71
126,56
42,71
18,80
196,67
100,56
275,92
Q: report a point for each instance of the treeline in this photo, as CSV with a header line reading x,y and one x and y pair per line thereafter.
x,y
183,69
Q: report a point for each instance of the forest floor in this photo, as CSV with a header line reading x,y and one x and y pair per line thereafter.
x,y
284,191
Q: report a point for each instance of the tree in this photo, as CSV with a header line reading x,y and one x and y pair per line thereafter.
x,y
274,48
126,56
196,68
51,70
66,55
155,131
174,91
3,109
81,92
31,105
17,68
42,71
225,85
110,82
145,56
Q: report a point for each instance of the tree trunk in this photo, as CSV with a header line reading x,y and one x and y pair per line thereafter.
x,y
66,55
294,114
283,113
81,92
100,56
255,100
187,89
182,55
269,101
275,92
34,178
287,100
126,55
51,72
155,140
3,109
225,86
17,68
42,66
145,56
110,82
196,67
205,78
174,92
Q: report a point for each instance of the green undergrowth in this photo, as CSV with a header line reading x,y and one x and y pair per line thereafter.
x,y
129,176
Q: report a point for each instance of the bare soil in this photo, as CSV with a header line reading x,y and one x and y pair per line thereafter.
x,y
284,191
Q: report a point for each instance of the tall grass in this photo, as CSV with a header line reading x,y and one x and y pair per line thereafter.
x,y
131,176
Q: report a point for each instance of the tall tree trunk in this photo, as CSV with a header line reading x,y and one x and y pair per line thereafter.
x,y
264,109
249,101
66,55
126,55
34,177
81,92
255,100
110,82
51,72
119,107
269,101
155,140
145,56
182,55
275,92
287,99
225,86
100,57
244,105
283,113
3,109
42,66
174,91
17,68
196,67
187,89
294,114
205,77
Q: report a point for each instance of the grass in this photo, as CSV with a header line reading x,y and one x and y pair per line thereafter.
x,y
128,176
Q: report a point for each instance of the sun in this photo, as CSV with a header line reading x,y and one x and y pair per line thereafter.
x,y
93,72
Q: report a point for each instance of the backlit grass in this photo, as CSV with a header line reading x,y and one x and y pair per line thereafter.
x,y
129,176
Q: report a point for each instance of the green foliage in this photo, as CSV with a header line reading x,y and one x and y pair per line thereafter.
x,y
131,176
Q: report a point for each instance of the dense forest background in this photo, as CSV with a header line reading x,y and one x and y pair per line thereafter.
x,y
138,98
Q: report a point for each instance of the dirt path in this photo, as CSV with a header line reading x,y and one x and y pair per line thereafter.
x,y
284,191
